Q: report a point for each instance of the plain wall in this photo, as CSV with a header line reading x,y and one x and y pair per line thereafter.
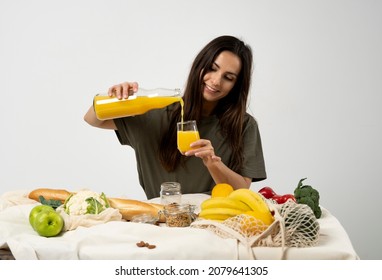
x,y
316,92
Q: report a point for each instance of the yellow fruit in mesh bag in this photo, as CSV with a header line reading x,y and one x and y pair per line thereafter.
x,y
250,225
266,219
255,202
219,213
216,217
221,190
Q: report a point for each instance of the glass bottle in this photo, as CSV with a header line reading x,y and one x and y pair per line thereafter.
x,y
142,101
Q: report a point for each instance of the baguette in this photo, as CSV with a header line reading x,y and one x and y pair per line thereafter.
x,y
55,194
127,207
130,207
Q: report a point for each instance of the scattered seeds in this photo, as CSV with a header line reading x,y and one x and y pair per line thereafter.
x,y
145,244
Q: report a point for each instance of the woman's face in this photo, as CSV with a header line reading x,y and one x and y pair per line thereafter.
x,y
220,79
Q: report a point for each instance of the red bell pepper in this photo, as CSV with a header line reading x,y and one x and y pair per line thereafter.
x,y
269,193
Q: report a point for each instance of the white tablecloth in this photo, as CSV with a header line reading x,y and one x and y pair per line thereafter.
x,y
117,240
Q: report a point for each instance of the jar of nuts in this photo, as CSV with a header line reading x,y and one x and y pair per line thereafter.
x,y
178,215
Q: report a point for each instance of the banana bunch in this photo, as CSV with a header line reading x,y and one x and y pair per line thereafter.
x,y
240,201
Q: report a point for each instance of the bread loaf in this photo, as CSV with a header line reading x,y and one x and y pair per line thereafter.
x,y
130,207
55,194
127,207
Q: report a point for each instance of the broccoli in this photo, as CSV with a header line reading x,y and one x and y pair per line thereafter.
x,y
308,201
305,194
51,202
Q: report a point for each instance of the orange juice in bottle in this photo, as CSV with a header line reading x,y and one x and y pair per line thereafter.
x,y
142,101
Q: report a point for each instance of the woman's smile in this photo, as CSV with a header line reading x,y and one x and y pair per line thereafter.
x,y
210,89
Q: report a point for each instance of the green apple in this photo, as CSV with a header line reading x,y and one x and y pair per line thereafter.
x,y
36,210
48,223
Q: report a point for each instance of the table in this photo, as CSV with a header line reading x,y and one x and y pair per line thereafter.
x,y
6,255
118,239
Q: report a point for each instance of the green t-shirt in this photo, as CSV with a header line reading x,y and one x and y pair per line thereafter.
x,y
143,134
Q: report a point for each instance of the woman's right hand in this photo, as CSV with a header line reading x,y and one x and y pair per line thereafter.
x,y
123,90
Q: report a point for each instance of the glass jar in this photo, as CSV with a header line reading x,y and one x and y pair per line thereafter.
x,y
170,192
144,219
143,100
179,215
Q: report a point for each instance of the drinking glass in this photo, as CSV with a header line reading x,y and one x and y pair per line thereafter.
x,y
187,134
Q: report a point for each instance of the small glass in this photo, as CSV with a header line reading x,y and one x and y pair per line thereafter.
x,y
170,193
187,134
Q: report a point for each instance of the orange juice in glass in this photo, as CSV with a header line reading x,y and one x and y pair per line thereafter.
x,y
187,134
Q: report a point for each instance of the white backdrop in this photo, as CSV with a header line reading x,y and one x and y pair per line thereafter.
x,y
316,92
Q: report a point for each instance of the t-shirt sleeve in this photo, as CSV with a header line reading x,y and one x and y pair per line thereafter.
x,y
122,131
127,131
136,129
254,165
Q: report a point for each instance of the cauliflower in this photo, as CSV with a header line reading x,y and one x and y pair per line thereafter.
x,y
85,202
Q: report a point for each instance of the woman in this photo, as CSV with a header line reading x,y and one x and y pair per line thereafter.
x,y
216,96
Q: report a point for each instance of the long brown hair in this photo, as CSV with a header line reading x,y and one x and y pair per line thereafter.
x,y
230,109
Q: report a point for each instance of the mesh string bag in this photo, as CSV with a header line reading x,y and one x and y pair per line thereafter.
x,y
294,226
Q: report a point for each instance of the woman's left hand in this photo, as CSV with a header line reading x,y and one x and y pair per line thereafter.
x,y
203,149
